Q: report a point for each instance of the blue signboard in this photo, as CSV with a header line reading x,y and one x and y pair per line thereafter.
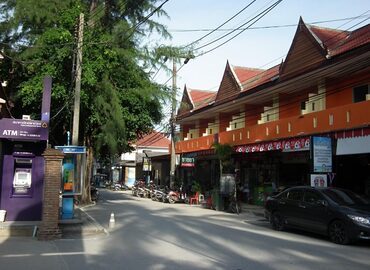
x,y
322,154
72,149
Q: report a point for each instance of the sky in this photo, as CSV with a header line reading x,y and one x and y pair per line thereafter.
x,y
256,48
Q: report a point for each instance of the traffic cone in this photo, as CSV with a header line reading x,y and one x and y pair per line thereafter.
x,y
112,221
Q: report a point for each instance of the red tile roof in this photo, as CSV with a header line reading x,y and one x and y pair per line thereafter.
x,y
355,39
154,139
245,73
329,37
261,78
339,41
201,98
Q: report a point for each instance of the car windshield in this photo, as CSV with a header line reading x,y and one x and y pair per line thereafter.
x,y
345,197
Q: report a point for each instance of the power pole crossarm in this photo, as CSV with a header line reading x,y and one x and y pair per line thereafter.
x,y
76,110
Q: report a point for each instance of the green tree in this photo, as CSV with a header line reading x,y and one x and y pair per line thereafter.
x,y
119,102
223,153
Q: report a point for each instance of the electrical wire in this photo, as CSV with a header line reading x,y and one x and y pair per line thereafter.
x,y
218,27
262,27
257,17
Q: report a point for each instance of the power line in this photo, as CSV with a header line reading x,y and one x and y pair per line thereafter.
x,y
257,17
262,27
217,28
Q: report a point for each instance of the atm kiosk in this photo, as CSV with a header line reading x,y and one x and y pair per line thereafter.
x,y
73,169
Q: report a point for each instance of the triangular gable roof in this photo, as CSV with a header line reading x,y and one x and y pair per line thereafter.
x,y
230,84
194,99
305,52
186,104
154,139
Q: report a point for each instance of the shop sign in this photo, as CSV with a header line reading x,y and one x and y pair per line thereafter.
x,y
18,129
289,145
147,165
72,149
187,162
322,154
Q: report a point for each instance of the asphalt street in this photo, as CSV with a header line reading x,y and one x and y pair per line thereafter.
x,y
153,235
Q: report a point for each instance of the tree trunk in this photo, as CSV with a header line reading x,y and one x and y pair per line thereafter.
x,y
86,196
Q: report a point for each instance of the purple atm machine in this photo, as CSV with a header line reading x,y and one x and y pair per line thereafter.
x,y
22,142
73,169
22,180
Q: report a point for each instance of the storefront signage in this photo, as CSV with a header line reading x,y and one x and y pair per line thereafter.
x,y
147,165
18,129
187,162
69,149
290,145
322,154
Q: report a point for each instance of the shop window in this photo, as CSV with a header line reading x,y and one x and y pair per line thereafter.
x,y
361,93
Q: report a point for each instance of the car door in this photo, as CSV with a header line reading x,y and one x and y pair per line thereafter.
x,y
314,211
292,207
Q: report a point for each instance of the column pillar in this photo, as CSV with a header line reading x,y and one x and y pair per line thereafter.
x,y
49,228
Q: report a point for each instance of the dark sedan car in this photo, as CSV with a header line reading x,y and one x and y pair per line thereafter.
x,y
340,214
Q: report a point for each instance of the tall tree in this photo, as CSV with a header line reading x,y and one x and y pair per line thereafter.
x,y
118,99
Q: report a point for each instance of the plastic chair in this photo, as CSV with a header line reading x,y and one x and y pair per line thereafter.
x,y
194,199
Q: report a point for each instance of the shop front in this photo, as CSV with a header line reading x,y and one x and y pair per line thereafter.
x,y
268,167
352,161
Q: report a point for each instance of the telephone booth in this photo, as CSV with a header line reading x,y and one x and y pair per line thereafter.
x,y
73,170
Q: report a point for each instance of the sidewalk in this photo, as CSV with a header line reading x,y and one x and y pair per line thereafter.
x,y
82,225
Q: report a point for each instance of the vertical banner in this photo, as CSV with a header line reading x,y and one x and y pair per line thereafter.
x,y
322,154
147,165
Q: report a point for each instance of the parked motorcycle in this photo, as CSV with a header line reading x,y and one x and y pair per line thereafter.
x,y
94,193
175,196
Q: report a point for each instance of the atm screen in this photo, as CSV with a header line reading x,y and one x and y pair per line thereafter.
x,y
22,178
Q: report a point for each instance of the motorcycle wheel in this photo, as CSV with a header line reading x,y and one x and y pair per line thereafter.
x,y
171,199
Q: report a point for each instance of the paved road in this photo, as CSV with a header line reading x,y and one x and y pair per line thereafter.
x,y
152,235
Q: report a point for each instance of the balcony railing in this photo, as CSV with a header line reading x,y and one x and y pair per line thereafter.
x,y
334,119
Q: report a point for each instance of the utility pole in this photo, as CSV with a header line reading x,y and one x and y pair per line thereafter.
x,y
76,110
172,122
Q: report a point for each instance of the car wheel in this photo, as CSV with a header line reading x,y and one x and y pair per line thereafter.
x,y
277,221
338,233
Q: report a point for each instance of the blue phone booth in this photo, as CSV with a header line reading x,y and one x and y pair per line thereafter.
x,y
73,169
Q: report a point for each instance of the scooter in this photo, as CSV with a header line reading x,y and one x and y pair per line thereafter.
x,y
94,193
